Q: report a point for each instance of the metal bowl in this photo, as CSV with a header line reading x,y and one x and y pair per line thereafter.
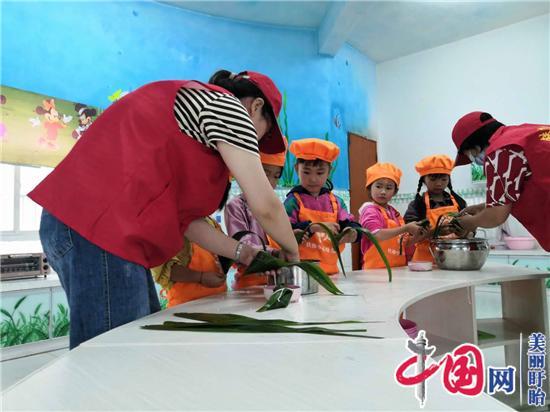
x,y
297,276
460,254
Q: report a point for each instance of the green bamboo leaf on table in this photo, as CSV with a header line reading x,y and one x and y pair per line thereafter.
x,y
231,319
254,328
278,300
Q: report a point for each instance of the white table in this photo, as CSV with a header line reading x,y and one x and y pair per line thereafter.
x,y
130,368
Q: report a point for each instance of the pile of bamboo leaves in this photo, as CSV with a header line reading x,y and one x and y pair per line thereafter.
x,y
230,323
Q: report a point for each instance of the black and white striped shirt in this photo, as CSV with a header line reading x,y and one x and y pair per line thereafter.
x,y
210,117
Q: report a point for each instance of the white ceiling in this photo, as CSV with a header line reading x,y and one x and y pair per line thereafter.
x,y
383,30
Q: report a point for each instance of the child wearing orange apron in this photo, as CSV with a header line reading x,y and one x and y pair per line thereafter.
x,y
312,201
192,274
435,173
384,221
239,218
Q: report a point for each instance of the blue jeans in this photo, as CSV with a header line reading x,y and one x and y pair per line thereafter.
x,y
103,290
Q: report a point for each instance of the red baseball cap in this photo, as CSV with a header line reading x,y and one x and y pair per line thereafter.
x,y
465,127
272,142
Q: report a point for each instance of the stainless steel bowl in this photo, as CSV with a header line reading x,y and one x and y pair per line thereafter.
x,y
299,277
460,254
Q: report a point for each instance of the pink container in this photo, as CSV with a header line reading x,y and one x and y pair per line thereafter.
x,y
520,242
420,265
410,327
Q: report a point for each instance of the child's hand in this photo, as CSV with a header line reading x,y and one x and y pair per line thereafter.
x,y
298,232
212,279
333,226
350,235
416,230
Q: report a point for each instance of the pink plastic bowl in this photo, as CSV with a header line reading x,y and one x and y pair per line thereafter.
x,y
410,327
520,242
420,265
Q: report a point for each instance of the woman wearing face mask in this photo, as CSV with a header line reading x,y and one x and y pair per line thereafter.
x,y
516,162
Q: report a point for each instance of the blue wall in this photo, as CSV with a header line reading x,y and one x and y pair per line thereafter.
x,y
84,51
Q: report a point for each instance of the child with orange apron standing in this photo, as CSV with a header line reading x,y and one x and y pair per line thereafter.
x,y
192,274
384,221
312,201
435,173
239,218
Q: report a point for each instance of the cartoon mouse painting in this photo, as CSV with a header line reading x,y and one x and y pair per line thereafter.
x,y
52,123
85,115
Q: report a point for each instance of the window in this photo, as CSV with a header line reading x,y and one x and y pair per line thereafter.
x,y
19,216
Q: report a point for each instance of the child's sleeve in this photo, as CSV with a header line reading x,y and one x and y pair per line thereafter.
x,y
371,219
412,214
161,274
293,211
236,221
235,218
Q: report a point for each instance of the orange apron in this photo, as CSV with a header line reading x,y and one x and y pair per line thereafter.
x,y
318,247
422,252
243,281
201,261
372,259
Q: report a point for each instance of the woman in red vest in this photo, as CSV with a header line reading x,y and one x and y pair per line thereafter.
x,y
146,173
515,159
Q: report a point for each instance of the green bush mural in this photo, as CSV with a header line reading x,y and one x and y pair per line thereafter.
x,y
18,327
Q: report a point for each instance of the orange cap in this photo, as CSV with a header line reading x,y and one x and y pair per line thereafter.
x,y
383,170
311,149
276,159
434,165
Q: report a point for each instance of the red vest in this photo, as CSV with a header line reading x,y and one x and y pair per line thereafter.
x,y
534,201
133,182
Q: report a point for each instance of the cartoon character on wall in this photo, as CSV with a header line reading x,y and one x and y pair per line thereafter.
x,y
52,123
85,119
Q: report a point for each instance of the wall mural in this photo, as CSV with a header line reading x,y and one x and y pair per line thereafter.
x,y
289,178
39,130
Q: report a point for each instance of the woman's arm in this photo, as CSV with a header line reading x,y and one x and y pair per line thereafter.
x,y
210,238
488,217
264,204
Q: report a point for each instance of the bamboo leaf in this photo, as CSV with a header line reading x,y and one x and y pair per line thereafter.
x,y
202,327
335,241
320,276
278,300
231,319
374,241
264,262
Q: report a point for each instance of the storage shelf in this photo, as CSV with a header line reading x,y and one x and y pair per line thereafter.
x,y
505,332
